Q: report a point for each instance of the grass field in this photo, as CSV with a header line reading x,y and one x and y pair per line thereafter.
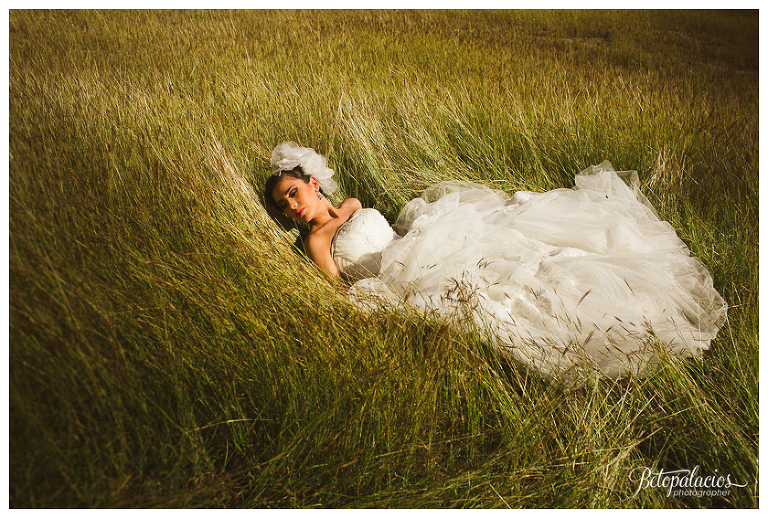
x,y
168,348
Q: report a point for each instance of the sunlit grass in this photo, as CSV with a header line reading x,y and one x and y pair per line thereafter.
x,y
168,348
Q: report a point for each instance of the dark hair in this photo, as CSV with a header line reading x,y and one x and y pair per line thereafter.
x,y
297,172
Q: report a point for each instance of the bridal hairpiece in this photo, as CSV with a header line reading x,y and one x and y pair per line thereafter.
x,y
288,155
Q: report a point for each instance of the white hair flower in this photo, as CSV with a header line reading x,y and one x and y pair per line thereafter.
x,y
288,155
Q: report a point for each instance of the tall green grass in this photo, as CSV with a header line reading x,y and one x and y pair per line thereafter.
x,y
168,348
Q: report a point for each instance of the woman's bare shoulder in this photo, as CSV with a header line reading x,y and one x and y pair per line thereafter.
x,y
350,204
317,241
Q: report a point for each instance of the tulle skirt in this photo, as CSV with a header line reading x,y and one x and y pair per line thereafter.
x,y
567,281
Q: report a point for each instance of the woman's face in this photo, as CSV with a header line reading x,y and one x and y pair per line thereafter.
x,y
297,199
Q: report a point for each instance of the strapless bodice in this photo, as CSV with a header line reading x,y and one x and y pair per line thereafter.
x,y
358,243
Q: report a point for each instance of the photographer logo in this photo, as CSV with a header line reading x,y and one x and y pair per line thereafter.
x,y
683,482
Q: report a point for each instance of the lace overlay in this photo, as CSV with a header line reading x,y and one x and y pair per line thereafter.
x,y
565,281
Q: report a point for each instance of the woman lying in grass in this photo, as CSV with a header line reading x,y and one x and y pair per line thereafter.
x,y
569,280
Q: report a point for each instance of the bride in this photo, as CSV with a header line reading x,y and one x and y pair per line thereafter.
x,y
567,281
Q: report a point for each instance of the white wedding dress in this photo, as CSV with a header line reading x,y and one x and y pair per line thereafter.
x,y
567,281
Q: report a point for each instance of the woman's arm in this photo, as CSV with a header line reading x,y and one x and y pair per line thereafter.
x,y
318,249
